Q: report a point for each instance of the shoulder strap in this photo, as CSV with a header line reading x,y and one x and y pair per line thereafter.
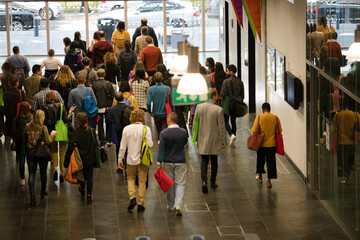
x,y
128,96
144,132
61,111
167,95
259,124
54,93
20,96
87,91
277,125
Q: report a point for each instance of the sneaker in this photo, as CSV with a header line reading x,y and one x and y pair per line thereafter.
x,y
109,143
140,208
214,185
61,178
232,140
204,189
43,194
82,191
55,176
132,204
91,12
178,211
22,182
170,209
89,199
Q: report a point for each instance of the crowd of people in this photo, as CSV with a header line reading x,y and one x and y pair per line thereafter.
x,y
102,94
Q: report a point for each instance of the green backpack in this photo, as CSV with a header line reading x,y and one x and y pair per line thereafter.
x,y
146,155
62,129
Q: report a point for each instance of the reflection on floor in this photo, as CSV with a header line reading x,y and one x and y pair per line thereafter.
x,y
240,205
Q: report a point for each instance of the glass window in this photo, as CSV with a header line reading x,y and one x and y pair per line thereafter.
x,y
68,19
212,25
27,30
184,23
152,11
3,39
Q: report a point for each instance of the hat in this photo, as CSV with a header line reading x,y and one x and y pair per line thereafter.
x,y
101,71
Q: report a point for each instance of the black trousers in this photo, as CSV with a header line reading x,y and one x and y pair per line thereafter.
x,y
267,154
204,167
345,159
88,175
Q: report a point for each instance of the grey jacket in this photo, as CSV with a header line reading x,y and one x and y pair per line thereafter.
x,y
212,132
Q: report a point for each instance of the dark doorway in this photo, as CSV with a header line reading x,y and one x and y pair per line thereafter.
x,y
226,32
252,68
239,50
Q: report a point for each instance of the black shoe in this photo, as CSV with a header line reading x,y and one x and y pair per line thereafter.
x,y
32,200
132,204
44,193
61,178
119,170
55,176
205,189
89,199
141,208
82,191
214,185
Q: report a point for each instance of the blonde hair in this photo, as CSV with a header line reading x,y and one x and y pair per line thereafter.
x,y
212,92
64,75
138,64
109,58
38,118
137,115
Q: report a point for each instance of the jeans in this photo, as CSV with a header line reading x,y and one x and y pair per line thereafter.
x,y
20,157
160,124
88,175
101,129
141,172
345,159
204,167
232,129
266,154
177,172
32,166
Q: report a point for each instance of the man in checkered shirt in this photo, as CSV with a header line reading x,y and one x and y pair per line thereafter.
x,y
39,98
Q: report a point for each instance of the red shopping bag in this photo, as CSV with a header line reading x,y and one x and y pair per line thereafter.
x,y
163,180
279,140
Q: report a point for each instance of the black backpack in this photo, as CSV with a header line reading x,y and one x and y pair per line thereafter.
x,y
126,62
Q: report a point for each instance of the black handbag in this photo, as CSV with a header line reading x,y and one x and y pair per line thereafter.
x,y
42,151
239,108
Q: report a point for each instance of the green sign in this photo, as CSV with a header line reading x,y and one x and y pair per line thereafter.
x,y
182,99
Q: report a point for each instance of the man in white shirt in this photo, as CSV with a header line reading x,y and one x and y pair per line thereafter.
x,y
51,64
131,141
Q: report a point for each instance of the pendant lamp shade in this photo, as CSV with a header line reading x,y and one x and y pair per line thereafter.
x,y
354,50
192,84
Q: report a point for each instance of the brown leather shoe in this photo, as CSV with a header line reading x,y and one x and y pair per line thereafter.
x,y
268,184
258,179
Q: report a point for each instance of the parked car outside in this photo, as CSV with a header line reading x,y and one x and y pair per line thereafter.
x,y
55,9
20,19
153,11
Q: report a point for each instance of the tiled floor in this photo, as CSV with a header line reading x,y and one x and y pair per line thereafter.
x,y
240,205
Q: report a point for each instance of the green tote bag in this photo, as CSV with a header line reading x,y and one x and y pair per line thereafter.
x,y
226,100
62,129
196,127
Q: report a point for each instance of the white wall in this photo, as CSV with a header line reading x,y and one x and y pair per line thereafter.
x,y
286,33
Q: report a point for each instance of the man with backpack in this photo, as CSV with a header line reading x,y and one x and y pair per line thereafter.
x,y
100,49
105,93
83,98
119,117
39,98
89,73
151,32
20,65
126,60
